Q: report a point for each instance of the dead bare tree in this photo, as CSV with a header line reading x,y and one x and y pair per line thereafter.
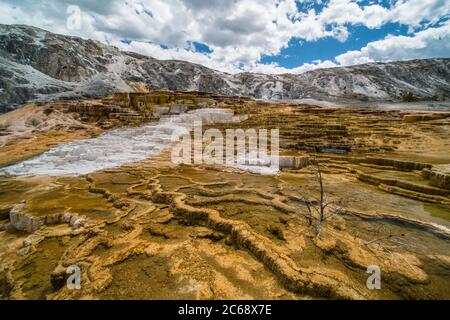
x,y
390,242
318,210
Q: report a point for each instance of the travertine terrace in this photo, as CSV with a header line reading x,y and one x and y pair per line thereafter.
x,y
155,230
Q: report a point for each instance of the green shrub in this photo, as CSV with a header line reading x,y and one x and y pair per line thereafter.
x,y
409,97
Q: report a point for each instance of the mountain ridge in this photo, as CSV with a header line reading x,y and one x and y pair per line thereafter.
x,y
36,64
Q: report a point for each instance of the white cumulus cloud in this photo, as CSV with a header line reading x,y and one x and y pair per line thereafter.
x,y
240,32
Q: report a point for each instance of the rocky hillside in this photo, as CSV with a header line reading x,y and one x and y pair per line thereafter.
x,y
36,64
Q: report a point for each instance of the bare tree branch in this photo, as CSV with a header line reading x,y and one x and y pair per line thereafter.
x,y
321,205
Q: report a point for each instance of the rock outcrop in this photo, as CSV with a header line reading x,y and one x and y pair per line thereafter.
x,y
21,220
439,176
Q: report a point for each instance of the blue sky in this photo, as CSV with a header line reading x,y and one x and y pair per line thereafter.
x,y
299,52
271,36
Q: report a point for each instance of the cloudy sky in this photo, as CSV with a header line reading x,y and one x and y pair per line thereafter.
x,y
270,36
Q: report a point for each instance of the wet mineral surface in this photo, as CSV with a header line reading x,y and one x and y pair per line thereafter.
x,y
156,230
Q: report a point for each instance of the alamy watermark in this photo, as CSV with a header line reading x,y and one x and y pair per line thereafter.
x,y
238,147
74,280
73,21
374,280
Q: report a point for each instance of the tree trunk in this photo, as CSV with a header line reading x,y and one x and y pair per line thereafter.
x,y
318,227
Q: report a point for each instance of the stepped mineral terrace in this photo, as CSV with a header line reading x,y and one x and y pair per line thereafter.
x,y
141,227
